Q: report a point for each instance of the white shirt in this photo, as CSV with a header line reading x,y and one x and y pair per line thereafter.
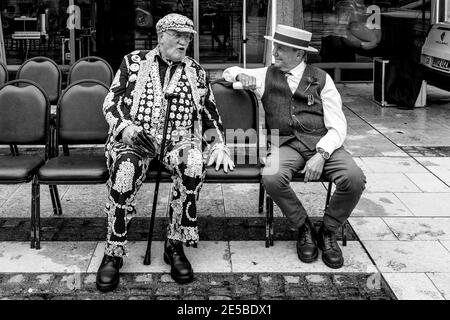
x,y
334,118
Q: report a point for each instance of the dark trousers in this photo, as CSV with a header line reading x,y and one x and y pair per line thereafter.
x,y
285,161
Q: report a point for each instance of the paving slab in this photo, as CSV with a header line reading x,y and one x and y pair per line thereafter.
x,y
446,244
417,127
412,228
427,182
371,228
442,283
412,286
314,204
362,165
408,256
251,256
389,182
57,256
440,166
309,188
7,190
210,256
426,204
87,191
241,199
393,165
380,204
19,203
81,207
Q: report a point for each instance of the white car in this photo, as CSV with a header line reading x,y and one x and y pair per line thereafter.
x,y
436,56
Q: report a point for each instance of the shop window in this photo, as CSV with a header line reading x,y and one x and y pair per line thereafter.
x,y
358,30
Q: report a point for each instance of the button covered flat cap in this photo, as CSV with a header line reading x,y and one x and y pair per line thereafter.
x,y
176,22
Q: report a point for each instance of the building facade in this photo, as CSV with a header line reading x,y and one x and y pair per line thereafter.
x,y
230,31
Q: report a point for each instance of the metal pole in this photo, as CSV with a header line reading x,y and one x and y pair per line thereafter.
x,y
72,38
197,35
244,33
2,44
274,24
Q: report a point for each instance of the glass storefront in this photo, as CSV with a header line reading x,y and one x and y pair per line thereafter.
x,y
358,30
112,28
344,31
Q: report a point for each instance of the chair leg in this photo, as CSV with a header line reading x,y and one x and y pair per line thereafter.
x,y
66,149
267,221
52,196
13,150
344,234
37,215
58,202
261,199
271,221
327,201
33,215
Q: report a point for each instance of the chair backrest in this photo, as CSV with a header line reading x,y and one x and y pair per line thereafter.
x,y
24,113
80,113
3,74
238,109
91,68
45,72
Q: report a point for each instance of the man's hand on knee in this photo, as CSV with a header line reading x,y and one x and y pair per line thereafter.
x,y
313,168
129,133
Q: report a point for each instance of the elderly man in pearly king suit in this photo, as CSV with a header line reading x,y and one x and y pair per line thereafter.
x,y
301,103
146,84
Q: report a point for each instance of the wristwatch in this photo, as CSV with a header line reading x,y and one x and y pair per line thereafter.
x,y
325,155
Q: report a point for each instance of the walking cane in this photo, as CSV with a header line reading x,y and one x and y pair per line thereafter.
x,y
148,252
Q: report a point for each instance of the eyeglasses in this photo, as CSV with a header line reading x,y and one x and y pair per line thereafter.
x,y
178,36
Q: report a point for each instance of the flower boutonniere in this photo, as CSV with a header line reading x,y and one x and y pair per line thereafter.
x,y
311,81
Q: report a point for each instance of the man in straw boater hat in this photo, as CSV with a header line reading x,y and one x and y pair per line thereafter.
x,y
304,113
148,85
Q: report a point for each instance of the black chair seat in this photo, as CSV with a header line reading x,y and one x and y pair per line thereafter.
x,y
240,174
74,169
300,177
19,169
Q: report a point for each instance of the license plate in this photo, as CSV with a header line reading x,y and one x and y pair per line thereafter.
x,y
441,64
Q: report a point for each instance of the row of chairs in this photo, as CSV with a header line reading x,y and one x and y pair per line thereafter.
x,y
80,121
45,72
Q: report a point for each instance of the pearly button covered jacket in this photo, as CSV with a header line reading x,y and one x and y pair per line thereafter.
x,y
137,96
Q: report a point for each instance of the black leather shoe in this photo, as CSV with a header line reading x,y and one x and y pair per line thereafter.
x,y
306,244
108,273
331,252
181,269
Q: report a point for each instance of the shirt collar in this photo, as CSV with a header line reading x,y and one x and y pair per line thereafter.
x,y
298,69
167,62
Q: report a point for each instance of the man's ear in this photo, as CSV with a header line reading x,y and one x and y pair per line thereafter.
x,y
160,36
301,55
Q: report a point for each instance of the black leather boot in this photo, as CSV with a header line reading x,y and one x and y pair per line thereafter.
x,y
108,273
181,269
331,252
306,244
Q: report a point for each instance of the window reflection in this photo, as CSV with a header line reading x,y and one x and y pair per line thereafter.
x,y
358,30
112,28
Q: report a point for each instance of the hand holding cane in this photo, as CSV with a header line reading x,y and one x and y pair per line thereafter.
x,y
147,257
